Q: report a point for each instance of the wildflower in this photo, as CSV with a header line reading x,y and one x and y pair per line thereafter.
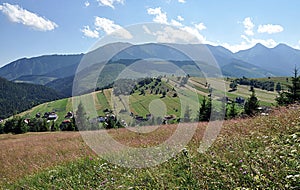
x,y
240,161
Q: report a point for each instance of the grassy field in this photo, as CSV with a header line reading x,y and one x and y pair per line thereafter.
x,y
254,153
140,104
265,97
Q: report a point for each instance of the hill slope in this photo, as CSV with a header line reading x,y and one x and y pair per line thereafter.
x,y
57,66
18,97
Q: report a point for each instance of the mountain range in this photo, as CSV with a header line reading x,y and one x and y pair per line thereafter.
x,y
57,71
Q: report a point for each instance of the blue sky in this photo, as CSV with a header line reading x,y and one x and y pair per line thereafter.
x,y
37,27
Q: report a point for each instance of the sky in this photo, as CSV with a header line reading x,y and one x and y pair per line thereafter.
x,y
30,28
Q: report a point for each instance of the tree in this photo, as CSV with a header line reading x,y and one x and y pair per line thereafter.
x,y
1,128
251,104
293,93
233,85
187,114
278,87
205,110
81,119
232,113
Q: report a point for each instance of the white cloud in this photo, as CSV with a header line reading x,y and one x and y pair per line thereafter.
x,y
189,34
248,43
174,35
90,33
194,32
180,18
175,23
269,28
17,14
160,17
106,26
200,26
248,24
86,4
110,3
182,1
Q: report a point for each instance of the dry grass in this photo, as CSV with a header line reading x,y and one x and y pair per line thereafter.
x,y
25,154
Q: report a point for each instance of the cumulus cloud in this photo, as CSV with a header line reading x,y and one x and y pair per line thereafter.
x,y
17,14
249,25
180,18
250,42
106,26
189,33
195,32
175,23
86,4
90,33
200,26
175,35
269,28
160,17
181,1
110,3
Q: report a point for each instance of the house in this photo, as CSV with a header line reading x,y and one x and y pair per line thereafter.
x,y
149,116
38,115
52,116
69,115
264,110
101,119
239,100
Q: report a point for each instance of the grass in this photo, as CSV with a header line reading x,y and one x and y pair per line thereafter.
x,y
141,104
61,107
265,97
25,154
254,153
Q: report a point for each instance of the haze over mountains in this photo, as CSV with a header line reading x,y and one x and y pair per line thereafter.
x,y
57,71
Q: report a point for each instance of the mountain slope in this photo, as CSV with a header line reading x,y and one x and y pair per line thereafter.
x,y
18,97
280,60
42,65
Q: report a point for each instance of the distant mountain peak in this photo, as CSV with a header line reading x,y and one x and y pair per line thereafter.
x,y
259,45
282,45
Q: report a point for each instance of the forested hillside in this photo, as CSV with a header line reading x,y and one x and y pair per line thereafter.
x,y
18,97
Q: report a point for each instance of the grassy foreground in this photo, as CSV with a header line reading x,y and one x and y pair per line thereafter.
x,y
256,153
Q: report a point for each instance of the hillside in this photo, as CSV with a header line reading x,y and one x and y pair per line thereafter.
x,y
147,95
18,97
54,66
256,153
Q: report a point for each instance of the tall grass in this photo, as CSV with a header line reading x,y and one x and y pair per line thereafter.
x,y
257,153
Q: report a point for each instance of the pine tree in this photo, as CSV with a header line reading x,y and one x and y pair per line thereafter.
x,y
278,87
205,110
232,113
81,119
293,93
251,104
187,114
